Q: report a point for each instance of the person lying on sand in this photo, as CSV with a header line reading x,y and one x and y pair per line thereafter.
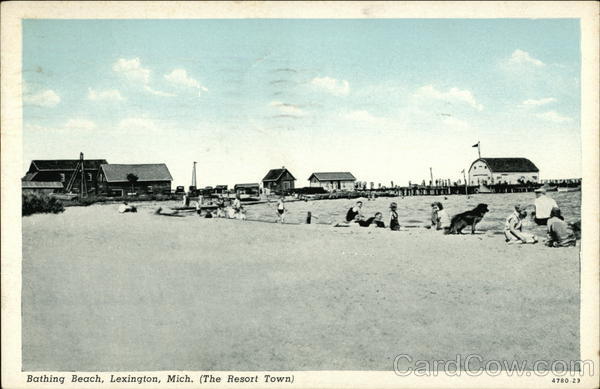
x,y
127,208
374,221
166,212
352,223
513,227
559,233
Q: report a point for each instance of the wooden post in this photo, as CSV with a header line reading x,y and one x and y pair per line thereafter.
x,y
83,188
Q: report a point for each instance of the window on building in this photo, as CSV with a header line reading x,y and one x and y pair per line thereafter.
x,y
534,177
89,176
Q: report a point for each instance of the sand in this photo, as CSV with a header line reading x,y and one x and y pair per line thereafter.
x,y
106,291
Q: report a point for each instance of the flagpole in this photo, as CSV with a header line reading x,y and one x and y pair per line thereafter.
x,y
479,149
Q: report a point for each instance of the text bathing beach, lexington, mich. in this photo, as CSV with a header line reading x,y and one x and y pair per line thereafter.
x,y
301,194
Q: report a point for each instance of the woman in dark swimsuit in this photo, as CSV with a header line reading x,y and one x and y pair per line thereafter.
x,y
353,212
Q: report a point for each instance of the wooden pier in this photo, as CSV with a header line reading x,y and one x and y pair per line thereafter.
x,y
426,190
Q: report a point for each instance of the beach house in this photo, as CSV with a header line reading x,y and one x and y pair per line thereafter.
x,y
61,171
46,187
278,180
120,179
331,181
490,171
252,189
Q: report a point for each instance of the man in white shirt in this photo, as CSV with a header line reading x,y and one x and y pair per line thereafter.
x,y
543,206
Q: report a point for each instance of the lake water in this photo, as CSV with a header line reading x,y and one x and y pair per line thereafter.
x,y
415,211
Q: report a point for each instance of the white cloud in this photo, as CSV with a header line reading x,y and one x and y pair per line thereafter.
x,y
46,98
181,78
136,123
80,124
520,57
538,102
453,94
106,95
331,85
157,92
289,109
132,70
553,116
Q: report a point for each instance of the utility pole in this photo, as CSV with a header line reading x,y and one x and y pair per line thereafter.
x,y
194,175
431,175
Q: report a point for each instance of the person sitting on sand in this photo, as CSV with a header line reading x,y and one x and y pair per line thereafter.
x,y
127,208
281,210
543,205
434,217
237,203
559,233
374,221
230,212
442,218
513,227
354,212
394,224
220,207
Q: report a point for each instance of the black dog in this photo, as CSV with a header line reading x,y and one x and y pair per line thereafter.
x,y
462,220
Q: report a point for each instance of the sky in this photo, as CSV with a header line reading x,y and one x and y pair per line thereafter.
x,y
386,99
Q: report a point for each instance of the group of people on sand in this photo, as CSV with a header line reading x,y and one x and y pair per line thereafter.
x,y
546,213
354,217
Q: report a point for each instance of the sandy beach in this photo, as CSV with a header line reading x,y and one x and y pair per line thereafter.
x,y
110,291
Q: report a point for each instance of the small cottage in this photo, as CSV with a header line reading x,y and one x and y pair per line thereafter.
x,y
120,179
247,189
331,181
490,171
279,180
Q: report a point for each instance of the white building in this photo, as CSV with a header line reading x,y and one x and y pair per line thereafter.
x,y
331,181
490,171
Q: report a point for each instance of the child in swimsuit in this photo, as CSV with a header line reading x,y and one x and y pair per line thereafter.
x,y
394,224
281,210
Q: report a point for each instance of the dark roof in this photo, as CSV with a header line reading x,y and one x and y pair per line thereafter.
x,y
509,165
41,185
275,174
245,186
333,176
29,176
64,164
221,187
145,172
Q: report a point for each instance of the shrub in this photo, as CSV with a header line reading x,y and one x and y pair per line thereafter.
x,y
40,203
